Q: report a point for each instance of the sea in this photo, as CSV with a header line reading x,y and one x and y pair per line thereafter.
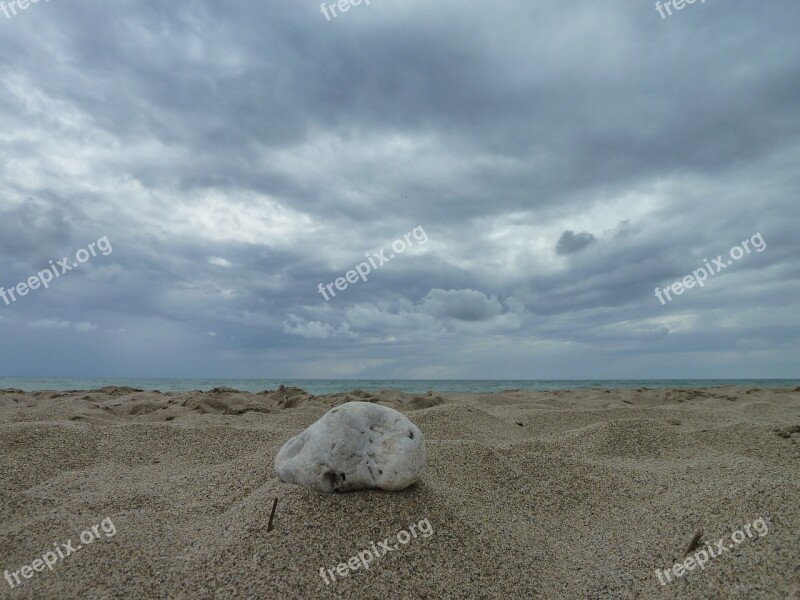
x,y
331,386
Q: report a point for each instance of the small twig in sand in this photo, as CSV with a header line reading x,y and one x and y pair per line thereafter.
x,y
694,543
272,515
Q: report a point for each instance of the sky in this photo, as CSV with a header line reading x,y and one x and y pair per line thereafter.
x,y
212,166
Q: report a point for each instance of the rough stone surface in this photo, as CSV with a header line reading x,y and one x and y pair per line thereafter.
x,y
354,446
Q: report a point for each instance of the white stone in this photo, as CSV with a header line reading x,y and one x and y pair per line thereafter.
x,y
354,446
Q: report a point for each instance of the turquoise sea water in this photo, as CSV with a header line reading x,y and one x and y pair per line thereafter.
x,y
330,386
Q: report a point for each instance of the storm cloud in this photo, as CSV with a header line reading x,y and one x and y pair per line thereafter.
x,y
564,160
571,242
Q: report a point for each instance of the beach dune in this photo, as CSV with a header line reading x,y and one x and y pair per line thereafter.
x,y
561,494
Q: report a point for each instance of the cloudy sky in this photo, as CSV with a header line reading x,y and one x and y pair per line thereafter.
x,y
561,159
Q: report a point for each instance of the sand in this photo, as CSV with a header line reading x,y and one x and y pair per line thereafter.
x,y
565,494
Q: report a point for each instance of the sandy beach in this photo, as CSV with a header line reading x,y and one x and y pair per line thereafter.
x,y
564,494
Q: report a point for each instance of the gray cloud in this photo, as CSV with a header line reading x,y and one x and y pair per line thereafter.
x,y
463,305
237,156
571,242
